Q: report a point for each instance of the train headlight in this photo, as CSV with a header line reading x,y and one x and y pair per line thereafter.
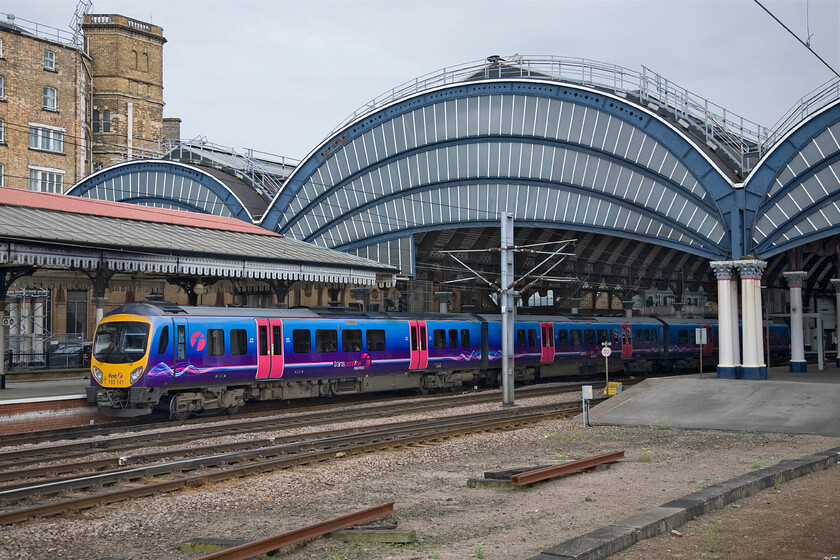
x,y
135,375
97,374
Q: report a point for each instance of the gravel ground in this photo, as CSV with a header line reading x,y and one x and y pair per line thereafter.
x,y
428,484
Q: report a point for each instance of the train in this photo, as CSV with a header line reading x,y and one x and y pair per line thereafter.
x,y
197,360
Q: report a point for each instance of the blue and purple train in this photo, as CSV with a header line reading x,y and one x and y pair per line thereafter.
x,y
204,359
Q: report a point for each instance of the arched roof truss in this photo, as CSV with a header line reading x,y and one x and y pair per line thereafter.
x,y
796,188
557,156
163,184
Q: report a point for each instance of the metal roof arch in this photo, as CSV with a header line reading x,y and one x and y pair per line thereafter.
x,y
793,195
218,195
336,163
610,211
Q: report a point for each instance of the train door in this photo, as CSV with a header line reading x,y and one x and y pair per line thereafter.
x,y
263,350
419,349
626,341
708,348
547,332
269,349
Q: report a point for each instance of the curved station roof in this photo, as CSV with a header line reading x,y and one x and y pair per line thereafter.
x,y
651,180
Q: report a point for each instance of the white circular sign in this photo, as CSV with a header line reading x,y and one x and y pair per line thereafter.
x,y
606,351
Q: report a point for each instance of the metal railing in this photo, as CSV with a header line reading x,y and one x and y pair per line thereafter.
x,y
743,140
44,31
252,164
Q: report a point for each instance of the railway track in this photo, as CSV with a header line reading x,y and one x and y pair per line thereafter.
x,y
59,495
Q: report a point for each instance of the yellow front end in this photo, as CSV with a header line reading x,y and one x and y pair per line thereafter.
x,y
120,350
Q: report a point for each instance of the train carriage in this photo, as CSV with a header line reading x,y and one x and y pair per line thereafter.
x,y
200,359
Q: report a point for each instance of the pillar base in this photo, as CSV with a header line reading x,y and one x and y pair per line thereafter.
x,y
798,366
728,372
753,372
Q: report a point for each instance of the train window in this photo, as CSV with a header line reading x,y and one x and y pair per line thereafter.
x,y
163,343
564,337
414,338
376,340
647,335
602,335
576,337
262,335
440,338
215,342
532,337
181,353
423,339
276,339
238,342
520,336
326,341
589,337
453,338
654,336
351,340
614,336
301,341
639,335
465,338
682,336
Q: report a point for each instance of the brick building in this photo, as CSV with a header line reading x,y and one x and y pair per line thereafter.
x,y
127,70
45,94
70,104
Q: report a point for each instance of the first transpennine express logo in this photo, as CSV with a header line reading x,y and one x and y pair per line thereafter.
x,y
197,341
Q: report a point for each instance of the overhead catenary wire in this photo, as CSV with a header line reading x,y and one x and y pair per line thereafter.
x,y
807,45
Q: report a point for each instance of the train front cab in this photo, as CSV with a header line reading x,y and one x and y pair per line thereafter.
x,y
119,358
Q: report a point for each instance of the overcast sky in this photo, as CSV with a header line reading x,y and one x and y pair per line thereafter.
x,y
278,76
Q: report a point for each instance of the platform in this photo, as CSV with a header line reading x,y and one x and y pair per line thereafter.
x,y
48,389
794,403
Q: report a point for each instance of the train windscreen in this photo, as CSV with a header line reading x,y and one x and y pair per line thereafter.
x,y
120,342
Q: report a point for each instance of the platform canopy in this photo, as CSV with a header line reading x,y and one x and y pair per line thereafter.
x,y
56,232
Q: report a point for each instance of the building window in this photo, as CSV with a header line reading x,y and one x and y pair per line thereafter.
x,y
49,60
2,87
46,180
46,139
95,120
2,175
1,48
106,121
50,99
77,312
2,131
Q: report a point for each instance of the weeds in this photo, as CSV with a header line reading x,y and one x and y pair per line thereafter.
x,y
777,483
646,455
663,426
479,551
713,532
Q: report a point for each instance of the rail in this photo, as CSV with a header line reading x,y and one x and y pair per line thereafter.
x,y
743,140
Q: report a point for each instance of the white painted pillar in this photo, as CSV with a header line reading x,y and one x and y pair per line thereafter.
x,y
836,282
727,365
38,317
736,324
100,310
797,333
753,366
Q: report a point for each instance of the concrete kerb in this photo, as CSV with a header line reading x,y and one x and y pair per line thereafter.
x,y
609,540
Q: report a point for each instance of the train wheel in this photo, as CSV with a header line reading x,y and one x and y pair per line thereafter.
x,y
231,410
176,414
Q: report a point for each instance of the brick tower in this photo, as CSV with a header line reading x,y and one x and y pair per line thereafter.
x,y
127,75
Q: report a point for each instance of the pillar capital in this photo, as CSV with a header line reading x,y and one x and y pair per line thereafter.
x,y
751,269
795,278
724,270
